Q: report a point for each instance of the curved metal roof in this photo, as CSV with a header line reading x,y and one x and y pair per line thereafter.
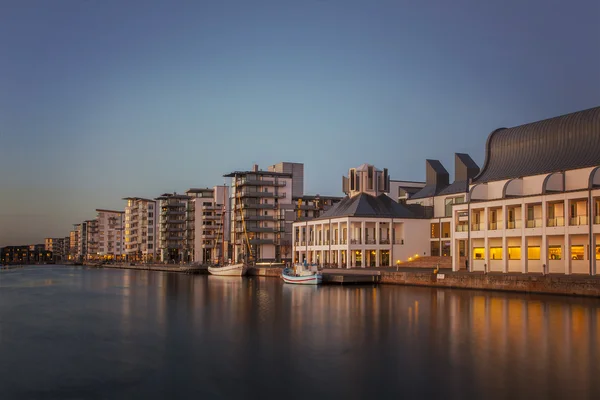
x,y
570,141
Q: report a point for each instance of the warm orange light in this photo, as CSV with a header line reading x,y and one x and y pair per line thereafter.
x,y
409,258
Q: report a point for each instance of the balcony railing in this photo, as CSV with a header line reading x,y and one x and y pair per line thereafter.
x,y
495,225
355,241
558,221
384,241
476,227
516,224
578,220
597,219
534,223
370,241
462,228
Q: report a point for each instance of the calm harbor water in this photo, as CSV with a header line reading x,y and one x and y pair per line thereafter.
x,y
73,333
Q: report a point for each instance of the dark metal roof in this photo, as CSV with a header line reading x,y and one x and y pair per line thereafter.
x,y
427,191
365,205
570,141
454,188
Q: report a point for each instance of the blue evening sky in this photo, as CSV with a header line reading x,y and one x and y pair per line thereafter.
x,y
105,99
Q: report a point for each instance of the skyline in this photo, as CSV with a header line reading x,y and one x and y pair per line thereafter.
x,y
105,101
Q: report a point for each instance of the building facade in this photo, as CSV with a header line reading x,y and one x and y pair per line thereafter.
x,y
535,205
210,232
262,211
140,234
172,224
366,229
110,234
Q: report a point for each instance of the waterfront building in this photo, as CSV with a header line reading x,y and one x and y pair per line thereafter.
x,y
207,225
366,228
171,224
81,241
262,211
308,207
110,234
438,197
535,205
73,244
92,243
59,247
141,216
26,254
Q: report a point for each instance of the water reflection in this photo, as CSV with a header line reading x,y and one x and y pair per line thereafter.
x,y
168,335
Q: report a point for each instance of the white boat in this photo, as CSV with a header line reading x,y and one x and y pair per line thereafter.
x,y
301,276
238,269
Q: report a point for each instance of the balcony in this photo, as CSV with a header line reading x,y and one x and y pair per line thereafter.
x,y
355,241
370,241
516,224
257,218
534,223
597,219
255,206
578,220
261,241
207,208
476,227
558,221
306,207
257,229
384,241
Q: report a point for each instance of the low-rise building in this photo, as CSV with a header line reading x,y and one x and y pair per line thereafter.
x,y
366,228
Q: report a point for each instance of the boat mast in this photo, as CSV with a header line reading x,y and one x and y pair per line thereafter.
x,y
223,226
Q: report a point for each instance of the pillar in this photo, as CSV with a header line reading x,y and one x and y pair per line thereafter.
x,y
362,234
544,254
486,254
504,254
593,253
338,239
567,254
363,256
524,238
339,258
348,232
377,238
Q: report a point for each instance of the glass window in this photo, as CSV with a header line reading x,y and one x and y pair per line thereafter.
x,y
578,252
435,249
435,230
597,252
554,252
495,253
445,229
478,253
514,253
533,252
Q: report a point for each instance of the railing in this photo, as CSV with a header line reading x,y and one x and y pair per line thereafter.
x,y
493,226
476,227
384,241
578,220
355,241
558,221
370,241
597,219
344,241
462,228
534,223
514,224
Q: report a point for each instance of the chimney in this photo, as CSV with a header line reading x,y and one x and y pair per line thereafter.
x,y
436,174
465,168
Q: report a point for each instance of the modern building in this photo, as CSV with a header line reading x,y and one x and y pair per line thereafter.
x,y
172,224
366,228
140,234
208,231
59,247
535,205
73,244
438,196
92,240
26,254
110,234
400,191
262,211
308,207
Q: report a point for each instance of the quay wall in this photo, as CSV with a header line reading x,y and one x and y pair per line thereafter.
x,y
563,285
267,271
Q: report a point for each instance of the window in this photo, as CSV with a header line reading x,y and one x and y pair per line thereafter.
x,y
554,252
533,253
435,230
530,213
478,253
578,252
149,246
150,215
495,253
597,252
514,253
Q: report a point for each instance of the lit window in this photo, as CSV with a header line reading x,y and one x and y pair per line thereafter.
x,y
554,252
495,253
577,252
597,252
478,253
514,253
533,253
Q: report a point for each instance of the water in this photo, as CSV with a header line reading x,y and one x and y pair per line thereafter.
x,y
71,333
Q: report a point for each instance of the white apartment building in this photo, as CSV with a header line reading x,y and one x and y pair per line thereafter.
x,y
171,227
208,224
366,229
140,234
262,211
110,234
535,206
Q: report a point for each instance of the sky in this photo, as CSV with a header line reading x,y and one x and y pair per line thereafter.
x,y
103,99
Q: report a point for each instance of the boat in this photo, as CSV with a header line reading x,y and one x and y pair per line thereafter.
x,y
300,275
238,269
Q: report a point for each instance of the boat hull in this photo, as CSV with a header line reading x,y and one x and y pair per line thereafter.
x,y
229,270
316,279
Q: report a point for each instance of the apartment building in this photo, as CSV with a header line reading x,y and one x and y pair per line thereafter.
x,y
140,234
110,234
309,207
92,245
73,244
172,224
366,228
535,205
59,247
208,231
262,211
